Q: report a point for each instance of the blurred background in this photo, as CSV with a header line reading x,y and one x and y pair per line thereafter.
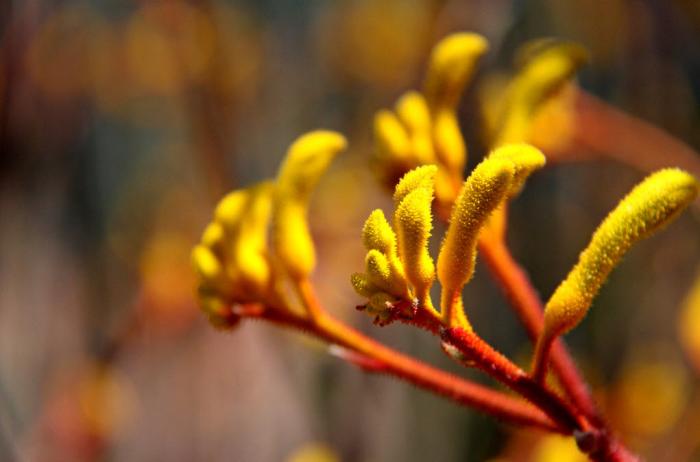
x,y
122,123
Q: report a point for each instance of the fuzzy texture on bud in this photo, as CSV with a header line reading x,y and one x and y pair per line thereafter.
x,y
650,206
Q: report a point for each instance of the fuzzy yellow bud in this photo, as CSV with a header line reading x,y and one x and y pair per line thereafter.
x,y
483,191
391,137
380,274
413,220
452,64
377,233
379,303
647,208
362,285
420,177
525,158
307,159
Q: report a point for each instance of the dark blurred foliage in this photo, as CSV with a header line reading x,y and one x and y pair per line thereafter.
x,y
121,124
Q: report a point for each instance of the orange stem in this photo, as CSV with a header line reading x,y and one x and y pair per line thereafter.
x,y
522,296
389,361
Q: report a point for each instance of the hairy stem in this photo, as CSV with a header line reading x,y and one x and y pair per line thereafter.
x,y
388,361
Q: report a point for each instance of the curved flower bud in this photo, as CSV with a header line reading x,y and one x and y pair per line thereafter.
x,y
307,159
452,64
548,66
483,191
414,223
651,205
420,177
228,210
377,233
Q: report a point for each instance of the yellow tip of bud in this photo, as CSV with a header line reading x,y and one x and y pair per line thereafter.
x,y
647,208
413,220
452,64
420,177
307,159
377,234
230,208
525,158
483,191
213,235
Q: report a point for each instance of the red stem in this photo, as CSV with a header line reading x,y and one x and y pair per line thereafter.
x,y
522,296
394,363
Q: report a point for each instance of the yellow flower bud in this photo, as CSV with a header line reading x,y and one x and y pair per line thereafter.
x,y
377,234
250,247
307,159
207,266
548,66
362,285
452,64
391,137
228,211
647,208
292,240
483,191
413,220
213,236
420,177
380,274
413,112
525,158
449,143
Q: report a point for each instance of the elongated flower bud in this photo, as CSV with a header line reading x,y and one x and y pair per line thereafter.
x,y
413,220
547,67
647,208
307,159
483,191
377,233
452,64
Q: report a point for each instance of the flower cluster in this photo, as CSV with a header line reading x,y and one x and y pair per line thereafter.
x,y
234,260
